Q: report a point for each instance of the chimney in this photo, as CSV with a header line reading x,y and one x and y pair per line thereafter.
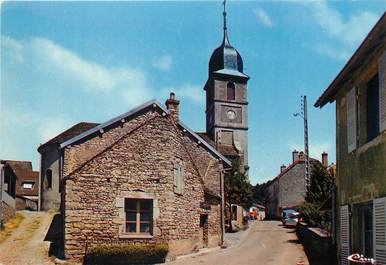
x,y
172,105
325,159
295,156
282,168
301,155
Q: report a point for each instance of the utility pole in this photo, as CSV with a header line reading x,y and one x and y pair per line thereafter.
x,y
303,115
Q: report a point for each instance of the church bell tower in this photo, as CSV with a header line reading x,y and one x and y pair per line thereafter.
x,y
226,100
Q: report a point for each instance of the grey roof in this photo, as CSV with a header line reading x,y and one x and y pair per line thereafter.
x,y
132,113
231,72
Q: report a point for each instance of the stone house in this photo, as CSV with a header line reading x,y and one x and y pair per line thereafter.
x,y
27,185
50,165
288,188
359,93
143,176
7,192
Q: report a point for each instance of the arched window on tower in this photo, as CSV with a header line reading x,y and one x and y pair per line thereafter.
x,y
48,183
231,91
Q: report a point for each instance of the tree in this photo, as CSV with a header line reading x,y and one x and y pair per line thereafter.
x,y
237,187
318,199
260,194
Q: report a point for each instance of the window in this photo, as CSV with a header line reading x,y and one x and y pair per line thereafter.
x,y
28,185
178,176
366,221
372,108
48,179
139,216
231,91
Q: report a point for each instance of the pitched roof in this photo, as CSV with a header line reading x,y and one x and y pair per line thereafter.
x,y
133,113
23,170
372,43
226,150
299,161
69,133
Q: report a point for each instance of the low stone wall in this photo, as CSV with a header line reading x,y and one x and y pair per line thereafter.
x,y
26,204
7,212
317,245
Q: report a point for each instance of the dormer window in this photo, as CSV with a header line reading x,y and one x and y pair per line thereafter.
x,y
231,91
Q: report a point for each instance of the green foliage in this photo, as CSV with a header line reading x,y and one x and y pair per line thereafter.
x,y
237,188
127,254
317,206
260,194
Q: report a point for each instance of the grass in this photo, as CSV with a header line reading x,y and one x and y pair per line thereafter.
x,y
10,226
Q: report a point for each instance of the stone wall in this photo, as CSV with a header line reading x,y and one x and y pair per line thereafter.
x,y
7,212
133,160
292,187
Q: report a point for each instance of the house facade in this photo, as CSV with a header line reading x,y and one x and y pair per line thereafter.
x,y
288,189
359,93
50,165
26,186
7,192
143,176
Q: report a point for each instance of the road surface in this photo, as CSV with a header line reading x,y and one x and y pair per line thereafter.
x,y
267,243
25,245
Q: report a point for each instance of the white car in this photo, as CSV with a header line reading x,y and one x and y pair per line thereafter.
x,y
292,220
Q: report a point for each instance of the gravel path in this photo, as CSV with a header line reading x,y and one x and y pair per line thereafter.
x,y
25,246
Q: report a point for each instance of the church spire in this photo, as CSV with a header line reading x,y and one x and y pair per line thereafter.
x,y
224,13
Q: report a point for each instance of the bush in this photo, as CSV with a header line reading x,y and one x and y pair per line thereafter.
x,y
123,254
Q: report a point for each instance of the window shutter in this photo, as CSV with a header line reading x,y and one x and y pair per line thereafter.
x,y
175,177
344,235
182,179
382,92
379,230
351,120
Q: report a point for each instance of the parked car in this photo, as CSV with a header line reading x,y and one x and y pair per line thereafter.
x,y
286,213
292,220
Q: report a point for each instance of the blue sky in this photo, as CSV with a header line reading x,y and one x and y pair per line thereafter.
x,y
66,62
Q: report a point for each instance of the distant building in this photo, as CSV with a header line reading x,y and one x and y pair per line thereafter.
x,y
27,184
7,192
288,188
359,93
50,166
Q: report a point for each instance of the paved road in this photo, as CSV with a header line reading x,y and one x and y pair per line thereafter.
x,y
267,243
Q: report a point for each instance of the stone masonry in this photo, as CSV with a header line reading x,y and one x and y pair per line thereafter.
x,y
134,159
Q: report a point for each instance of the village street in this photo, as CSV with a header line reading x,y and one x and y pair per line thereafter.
x,y
267,242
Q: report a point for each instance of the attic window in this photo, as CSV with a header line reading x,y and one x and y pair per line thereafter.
x,y
231,91
28,185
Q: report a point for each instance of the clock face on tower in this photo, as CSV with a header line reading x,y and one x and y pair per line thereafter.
x,y
231,114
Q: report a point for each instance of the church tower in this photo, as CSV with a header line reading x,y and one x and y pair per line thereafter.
x,y
226,99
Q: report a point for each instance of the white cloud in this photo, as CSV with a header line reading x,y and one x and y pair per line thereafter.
x,y
335,53
350,31
345,33
60,67
163,63
263,17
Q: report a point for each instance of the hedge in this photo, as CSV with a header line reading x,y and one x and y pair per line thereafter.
x,y
124,254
